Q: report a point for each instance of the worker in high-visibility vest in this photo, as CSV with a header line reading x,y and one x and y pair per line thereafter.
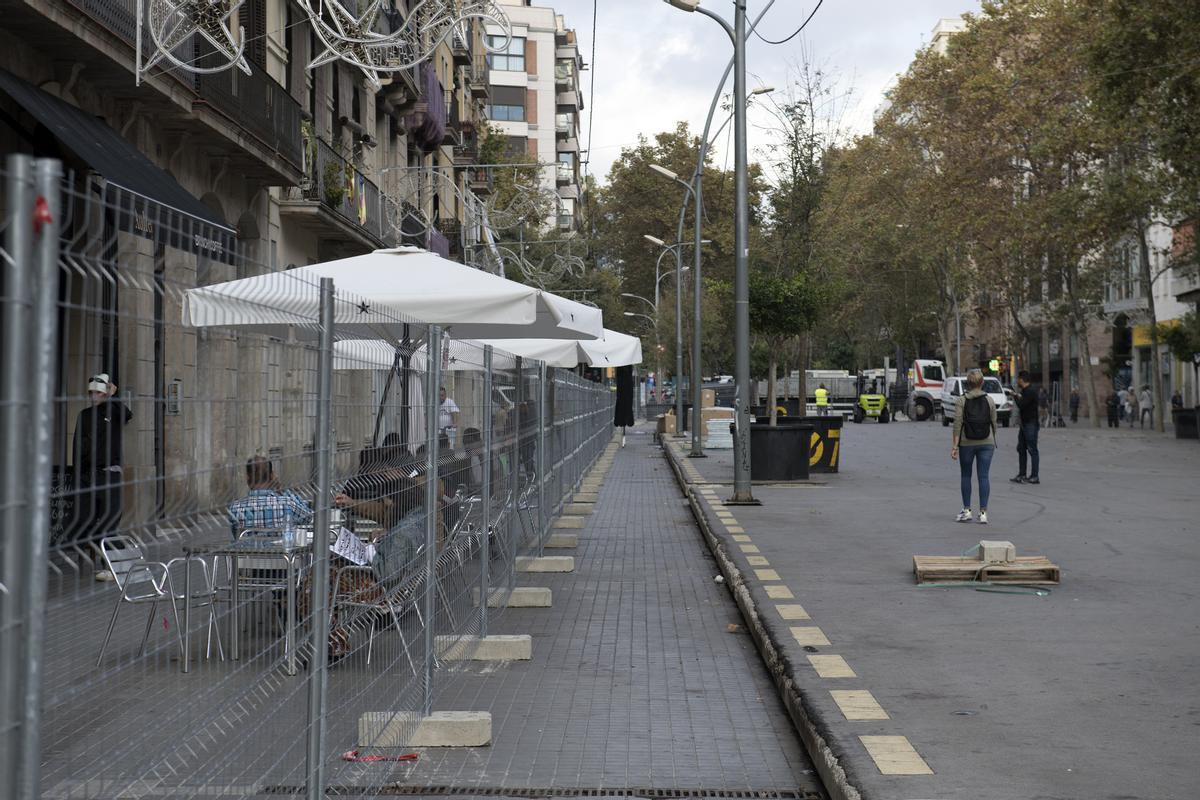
x,y
822,401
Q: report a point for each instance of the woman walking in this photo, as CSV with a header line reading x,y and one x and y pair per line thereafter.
x,y
974,443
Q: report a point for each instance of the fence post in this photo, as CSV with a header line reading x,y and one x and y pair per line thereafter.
x,y
14,505
542,516
47,175
433,381
515,523
486,540
320,582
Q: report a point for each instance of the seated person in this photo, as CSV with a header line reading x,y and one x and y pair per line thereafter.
x,y
267,505
399,509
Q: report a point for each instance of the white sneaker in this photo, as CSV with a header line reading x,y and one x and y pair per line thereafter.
x,y
963,516
983,518
105,575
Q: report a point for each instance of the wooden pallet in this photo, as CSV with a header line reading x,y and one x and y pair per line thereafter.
x,y
1030,570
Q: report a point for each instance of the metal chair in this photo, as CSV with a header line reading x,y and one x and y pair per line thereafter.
x,y
141,581
394,603
260,577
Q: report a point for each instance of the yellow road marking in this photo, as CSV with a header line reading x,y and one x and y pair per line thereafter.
x,y
741,537
757,561
766,574
809,635
735,529
779,592
831,667
792,611
894,755
749,548
858,704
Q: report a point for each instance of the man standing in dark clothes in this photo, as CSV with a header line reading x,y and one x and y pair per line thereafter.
x,y
98,446
1027,436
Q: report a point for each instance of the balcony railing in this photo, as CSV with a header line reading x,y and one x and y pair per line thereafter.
x,y
259,105
255,102
336,184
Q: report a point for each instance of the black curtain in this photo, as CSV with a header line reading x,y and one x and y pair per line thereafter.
x,y
623,416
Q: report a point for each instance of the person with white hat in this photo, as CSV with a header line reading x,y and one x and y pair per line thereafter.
x,y
99,450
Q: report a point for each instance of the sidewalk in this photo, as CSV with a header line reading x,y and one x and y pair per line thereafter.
x,y
636,680
944,693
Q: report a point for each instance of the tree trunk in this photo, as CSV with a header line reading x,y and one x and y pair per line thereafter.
x,y
1064,357
1148,281
1079,321
771,410
1045,355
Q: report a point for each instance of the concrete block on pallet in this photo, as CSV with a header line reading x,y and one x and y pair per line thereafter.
x,y
568,523
488,648
440,729
579,508
560,541
545,563
520,597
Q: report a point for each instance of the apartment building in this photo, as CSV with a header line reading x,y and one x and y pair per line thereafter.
x,y
220,176
536,100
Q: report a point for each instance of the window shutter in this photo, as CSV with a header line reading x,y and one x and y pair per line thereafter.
x,y
531,57
531,105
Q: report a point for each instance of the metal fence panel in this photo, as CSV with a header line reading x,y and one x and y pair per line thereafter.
x,y
200,638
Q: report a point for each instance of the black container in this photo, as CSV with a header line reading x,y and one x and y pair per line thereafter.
x,y
825,442
779,453
1184,420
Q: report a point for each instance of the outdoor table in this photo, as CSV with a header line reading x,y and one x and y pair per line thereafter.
x,y
250,546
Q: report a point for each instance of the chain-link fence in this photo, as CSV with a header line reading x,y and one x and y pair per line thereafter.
x,y
242,540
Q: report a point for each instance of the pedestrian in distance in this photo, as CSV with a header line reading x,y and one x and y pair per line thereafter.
x,y
1122,403
1131,406
1043,398
974,443
1027,434
1176,400
1113,406
1074,404
1146,402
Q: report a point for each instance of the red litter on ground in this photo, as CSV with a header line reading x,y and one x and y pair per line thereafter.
x,y
352,755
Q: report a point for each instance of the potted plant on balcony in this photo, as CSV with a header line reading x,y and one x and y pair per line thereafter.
x,y
334,180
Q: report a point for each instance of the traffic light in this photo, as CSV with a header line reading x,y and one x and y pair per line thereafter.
x,y
994,365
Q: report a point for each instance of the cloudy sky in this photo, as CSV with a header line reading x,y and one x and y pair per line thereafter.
x,y
655,65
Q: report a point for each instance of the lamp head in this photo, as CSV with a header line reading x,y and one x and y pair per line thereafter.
x,y
684,5
666,173
654,240
762,90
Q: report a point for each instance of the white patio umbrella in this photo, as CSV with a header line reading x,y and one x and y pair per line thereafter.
x,y
613,350
380,291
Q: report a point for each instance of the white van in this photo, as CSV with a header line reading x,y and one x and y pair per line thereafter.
x,y
955,387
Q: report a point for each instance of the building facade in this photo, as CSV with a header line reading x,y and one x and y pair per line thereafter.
x,y
536,101
190,179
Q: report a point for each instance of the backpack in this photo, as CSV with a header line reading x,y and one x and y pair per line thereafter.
x,y
977,418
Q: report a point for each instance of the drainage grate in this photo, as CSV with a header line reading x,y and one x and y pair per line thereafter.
x,y
539,792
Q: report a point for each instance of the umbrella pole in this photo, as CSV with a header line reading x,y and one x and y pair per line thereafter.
x,y
387,390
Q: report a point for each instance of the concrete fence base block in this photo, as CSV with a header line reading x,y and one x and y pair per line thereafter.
x,y
591,487
560,541
568,523
440,729
520,597
579,508
488,648
586,497
545,564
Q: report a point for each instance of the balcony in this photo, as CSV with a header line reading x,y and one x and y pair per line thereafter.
x,y
481,181
248,119
465,154
335,200
570,99
564,75
563,125
460,51
478,81
564,173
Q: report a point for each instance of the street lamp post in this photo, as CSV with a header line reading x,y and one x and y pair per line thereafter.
x,y
737,33
678,247
653,320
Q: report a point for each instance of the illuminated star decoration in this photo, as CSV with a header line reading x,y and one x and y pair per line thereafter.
x,y
351,37
170,23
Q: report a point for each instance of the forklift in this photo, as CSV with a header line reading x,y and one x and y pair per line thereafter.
x,y
872,399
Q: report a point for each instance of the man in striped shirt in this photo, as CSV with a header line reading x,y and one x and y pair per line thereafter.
x,y
267,506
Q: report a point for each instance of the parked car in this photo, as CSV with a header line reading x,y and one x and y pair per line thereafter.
x,y
954,387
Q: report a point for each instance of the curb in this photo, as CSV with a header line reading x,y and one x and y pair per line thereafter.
x,y
823,748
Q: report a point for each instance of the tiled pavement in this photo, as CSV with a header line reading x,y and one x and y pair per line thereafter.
x,y
642,673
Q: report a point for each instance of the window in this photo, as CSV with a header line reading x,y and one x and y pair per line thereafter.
x,y
564,70
562,123
992,386
508,104
566,166
511,58
932,372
